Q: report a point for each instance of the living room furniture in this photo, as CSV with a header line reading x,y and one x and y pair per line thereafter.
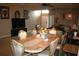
x,y
53,46
72,45
73,40
51,49
73,49
15,31
17,25
17,48
34,44
61,43
78,52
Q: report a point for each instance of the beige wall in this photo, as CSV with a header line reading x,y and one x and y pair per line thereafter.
x,y
59,16
5,24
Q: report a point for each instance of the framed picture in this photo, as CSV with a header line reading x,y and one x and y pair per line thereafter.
x,y
25,14
4,12
17,14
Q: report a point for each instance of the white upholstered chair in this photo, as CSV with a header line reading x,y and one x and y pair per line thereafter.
x,y
59,33
51,49
17,48
53,46
22,34
60,45
78,52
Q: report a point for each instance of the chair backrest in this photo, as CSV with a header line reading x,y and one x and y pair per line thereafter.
x,y
53,46
59,33
78,52
17,48
63,40
22,34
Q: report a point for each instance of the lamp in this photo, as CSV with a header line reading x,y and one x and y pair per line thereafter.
x,y
75,34
22,34
53,31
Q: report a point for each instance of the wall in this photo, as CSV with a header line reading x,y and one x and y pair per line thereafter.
x,y
5,24
59,16
32,21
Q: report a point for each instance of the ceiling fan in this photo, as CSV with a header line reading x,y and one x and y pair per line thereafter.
x,y
47,5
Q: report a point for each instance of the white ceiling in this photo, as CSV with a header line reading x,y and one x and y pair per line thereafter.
x,y
55,5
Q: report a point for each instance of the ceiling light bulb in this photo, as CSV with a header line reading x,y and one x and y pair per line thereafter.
x,y
69,15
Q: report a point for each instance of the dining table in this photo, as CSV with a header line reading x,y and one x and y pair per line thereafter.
x,y
36,44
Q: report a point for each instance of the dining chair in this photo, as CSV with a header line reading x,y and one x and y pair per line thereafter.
x,y
52,47
17,48
59,33
22,34
60,45
78,52
44,53
50,50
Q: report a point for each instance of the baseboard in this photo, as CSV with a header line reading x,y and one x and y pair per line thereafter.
x,y
9,35
5,36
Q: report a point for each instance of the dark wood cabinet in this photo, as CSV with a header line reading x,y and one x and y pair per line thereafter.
x,y
14,32
17,24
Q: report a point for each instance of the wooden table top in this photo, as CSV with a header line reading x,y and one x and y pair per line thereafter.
x,y
35,44
70,48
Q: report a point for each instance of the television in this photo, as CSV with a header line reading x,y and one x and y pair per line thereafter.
x,y
18,23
